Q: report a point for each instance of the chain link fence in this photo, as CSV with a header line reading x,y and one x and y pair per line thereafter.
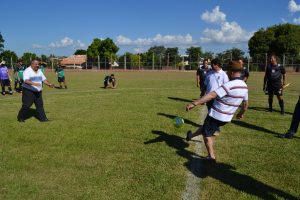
x,y
256,63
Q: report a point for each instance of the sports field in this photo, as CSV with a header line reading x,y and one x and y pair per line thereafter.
x,y
122,144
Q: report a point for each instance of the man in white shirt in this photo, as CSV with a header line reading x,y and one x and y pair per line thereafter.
x,y
215,78
226,100
32,92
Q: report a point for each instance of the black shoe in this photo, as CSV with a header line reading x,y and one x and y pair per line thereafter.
x,y
21,120
189,135
270,110
45,120
282,112
287,135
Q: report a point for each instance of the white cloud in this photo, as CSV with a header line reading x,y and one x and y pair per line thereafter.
x,y
67,42
37,46
283,20
228,32
293,7
156,40
216,16
297,20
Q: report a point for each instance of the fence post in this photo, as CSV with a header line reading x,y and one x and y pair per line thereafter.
x,y
139,62
283,62
160,61
125,64
153,61
248,66
266,64
98,62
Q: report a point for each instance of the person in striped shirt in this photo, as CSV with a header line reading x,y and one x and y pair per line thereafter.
x,y
226,100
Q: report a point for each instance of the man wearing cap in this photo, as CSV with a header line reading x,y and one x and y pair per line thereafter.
x,y
32,92
226,100
4,78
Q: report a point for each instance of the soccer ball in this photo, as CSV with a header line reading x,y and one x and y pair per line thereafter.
x,y
178,122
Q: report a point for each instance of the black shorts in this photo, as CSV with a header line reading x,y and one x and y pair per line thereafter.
x,y
211,125
274,90
5,82
61,79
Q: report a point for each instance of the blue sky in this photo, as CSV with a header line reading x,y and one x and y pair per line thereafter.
x,y
61,27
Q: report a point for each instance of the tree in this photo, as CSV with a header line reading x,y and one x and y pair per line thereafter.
x,y
27,57
194,54
157,50
230,54
8,57
208,55
1,42
104,48
279,39
171,56
80,52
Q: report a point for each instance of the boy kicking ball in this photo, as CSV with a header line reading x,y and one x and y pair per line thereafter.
x,y
227,99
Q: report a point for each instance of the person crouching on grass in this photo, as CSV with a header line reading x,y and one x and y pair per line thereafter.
x,y
110,81
227,99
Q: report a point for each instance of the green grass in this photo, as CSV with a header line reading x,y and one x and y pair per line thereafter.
x,y
121,144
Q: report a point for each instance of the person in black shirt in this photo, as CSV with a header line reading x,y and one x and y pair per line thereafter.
x,y
245,72
110,81
274,81
201,75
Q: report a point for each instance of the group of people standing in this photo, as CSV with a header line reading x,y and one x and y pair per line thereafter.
x,y
223,93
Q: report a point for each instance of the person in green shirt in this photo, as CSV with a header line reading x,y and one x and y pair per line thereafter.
x,y
60,72
20,77
15,70
42,67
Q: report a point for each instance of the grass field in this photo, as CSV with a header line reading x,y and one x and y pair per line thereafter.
x,y
121,144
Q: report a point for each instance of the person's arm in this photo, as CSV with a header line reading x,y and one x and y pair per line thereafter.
x,y
265,80
29,82
48,83
244,108
210,96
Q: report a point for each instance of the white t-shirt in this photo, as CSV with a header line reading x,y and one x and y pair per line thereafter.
x,y
36,77
214,80
230,96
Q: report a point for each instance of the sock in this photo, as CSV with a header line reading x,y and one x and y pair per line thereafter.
x,y
270,104
281,104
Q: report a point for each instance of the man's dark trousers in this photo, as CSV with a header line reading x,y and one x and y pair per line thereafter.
x,y
28,98
296,118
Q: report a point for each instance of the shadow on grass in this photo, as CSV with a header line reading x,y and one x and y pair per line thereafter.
x,y
185,120
257,128
222,172
262,109
180,99
244,183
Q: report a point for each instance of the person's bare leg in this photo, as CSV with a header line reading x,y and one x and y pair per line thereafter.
x,y
208,141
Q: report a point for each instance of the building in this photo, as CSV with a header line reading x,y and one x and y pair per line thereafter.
x,y
74,61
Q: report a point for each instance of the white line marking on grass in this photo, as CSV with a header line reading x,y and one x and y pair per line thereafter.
x,y
192,188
